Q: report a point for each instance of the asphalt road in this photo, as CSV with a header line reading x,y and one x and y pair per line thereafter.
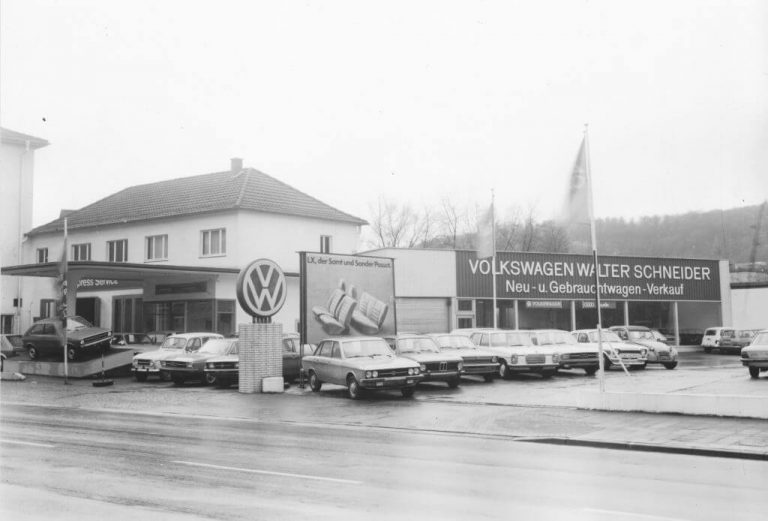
x,y
67,463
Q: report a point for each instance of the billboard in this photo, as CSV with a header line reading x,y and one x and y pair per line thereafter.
x,y
346,295
532,276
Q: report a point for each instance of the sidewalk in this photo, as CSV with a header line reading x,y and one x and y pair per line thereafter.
x,y
701,435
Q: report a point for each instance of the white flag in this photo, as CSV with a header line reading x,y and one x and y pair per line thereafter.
x,y
576,208
486,244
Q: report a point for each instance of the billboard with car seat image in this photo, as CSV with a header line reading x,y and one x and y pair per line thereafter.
x,y
346,295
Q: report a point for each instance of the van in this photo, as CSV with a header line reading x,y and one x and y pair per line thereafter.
x,y
713,337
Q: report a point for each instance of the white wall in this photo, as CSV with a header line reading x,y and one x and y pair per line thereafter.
x,y
422,273
750,308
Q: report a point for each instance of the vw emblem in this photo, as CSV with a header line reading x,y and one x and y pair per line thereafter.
x,y
261,288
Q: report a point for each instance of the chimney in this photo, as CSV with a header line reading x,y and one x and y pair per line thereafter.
x,y
237,164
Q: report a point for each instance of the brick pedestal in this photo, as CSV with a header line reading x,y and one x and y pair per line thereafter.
x,y
261,355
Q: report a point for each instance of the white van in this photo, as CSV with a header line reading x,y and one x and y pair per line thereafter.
x,y
713,336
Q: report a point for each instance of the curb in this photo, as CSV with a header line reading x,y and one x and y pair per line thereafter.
x,y
643,447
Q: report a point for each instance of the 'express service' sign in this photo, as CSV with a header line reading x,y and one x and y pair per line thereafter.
x,y
557,276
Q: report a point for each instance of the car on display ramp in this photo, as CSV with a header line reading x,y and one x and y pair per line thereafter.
x,y
45,337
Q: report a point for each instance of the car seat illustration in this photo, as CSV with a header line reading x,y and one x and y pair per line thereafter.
x,y
368,317
337,313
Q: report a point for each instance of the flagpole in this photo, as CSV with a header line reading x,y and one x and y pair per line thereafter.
x,y
65,289
601,373
493,258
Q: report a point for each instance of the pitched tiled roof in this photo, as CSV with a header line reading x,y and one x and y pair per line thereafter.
x,y
17,138
248,189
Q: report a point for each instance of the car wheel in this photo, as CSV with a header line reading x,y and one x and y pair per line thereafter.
x,y
488,377
32,352
353,388
211,379
314,382
754,372
177,380
407,392
591,370
71,353
671,365
453,383
504,371
141,377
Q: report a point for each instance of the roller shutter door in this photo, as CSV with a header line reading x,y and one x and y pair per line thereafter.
x,y
423,315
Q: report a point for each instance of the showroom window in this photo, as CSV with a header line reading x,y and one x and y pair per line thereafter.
x,y
156,248
42,255
213,242
325,244
81,252
117,251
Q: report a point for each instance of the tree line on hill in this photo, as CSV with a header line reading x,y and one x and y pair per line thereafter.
x,y
739,235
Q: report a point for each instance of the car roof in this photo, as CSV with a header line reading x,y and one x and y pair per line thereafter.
x,y
195,335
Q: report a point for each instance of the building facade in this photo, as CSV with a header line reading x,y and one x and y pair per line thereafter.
x,y
17,165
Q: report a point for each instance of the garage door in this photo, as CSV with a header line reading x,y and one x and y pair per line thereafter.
x,y
423,315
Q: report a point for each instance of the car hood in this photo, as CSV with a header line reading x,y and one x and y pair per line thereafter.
x,y
470,352
432,357
192,357
368,363
755,348
224,358
159,354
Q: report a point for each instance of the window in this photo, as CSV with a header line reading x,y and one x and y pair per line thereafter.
x,y
325,244
465,305
157,247
47,308
117,251
213,242
465,323
42,255
81,252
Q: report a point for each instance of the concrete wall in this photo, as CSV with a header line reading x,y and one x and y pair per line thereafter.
x,y
750,308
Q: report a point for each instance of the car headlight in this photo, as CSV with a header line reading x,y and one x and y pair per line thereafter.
x,y
156,364
643,352
375,374
461,366
494,360
744,354
189,364
410,371
82,343
564,356
513,359
422,367
367,374
209,365
134,363
556,358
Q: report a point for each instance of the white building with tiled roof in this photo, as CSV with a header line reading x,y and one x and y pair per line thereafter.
x,y
165,255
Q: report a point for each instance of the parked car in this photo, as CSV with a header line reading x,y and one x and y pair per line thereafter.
x,y
190,365
572,354
224,371
658,353
148,363
515,351
10,344
755,355
435,365
712,337
45,337
615,351
124,339
361,364
659,336
477,361
734,340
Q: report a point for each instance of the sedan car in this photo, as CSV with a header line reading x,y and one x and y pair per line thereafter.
x,y
46,336
616,353
477,361
224,371
658,353
435,365
188,366
755,355
148,363
361,364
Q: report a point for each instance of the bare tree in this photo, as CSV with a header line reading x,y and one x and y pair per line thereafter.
x,y
397,225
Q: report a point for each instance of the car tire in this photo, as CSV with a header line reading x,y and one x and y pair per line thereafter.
x,y
71,353
504,373
407,392
210,379
591,370
177,380
453,383
32,352
314,382
488,377
141,377
354,390
670,365
754,372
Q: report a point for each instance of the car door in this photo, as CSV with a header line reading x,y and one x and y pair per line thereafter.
x,y
291,359
321,360
338,370
49,340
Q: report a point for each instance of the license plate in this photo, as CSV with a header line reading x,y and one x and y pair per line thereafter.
x,y
379,384
410,381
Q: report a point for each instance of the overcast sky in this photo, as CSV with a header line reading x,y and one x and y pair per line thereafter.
x,y
414,100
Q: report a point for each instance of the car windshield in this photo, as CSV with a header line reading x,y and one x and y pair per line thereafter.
x,y
455,342
362,348
510,339
554,338
75,323
641,335
174,342
216,346
761,339
608,336
417,345
137,339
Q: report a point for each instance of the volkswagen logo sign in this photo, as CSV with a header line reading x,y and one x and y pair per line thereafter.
x,y
261,288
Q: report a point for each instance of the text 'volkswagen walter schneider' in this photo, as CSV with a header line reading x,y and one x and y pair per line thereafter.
x,y
361,364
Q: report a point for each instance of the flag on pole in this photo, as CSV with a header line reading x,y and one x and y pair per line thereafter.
x,y
486,242
577,205
62,279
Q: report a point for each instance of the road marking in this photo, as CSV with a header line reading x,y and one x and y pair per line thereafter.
x,y
269,473
631,515
31,444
